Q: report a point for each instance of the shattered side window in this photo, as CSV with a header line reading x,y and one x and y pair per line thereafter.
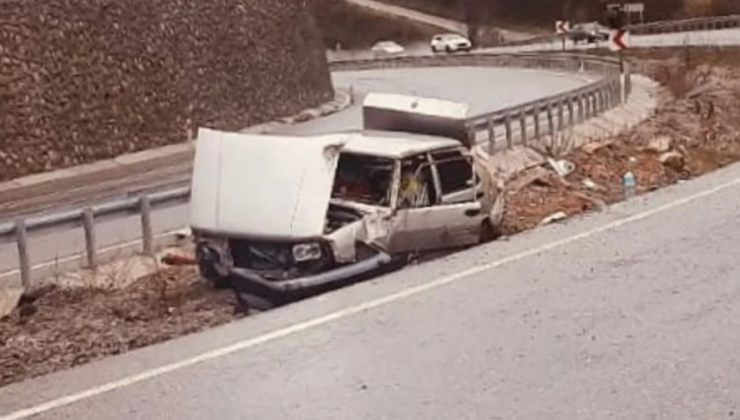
x,y
363,179
416,189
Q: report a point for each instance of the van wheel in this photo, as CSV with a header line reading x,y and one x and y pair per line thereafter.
x,y
448,49
248,301
488,233
210,275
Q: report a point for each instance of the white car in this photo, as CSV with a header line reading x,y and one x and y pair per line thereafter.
x,y
278,217
450,43
387,47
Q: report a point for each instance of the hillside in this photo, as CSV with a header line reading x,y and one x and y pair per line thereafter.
x,y
87,80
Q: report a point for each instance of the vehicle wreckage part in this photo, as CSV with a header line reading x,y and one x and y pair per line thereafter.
x,y
307,252
323,279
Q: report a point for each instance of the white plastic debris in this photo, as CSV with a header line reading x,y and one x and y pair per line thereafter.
x,y
561,167
555,217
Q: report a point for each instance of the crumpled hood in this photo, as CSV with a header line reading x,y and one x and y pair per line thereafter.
x,y
269,186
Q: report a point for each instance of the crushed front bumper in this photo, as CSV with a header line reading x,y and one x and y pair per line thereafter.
x,y
249,281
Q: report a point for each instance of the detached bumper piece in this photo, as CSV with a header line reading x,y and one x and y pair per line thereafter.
x,y
279,292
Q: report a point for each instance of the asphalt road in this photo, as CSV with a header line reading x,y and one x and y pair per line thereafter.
x,y
485,89
627,314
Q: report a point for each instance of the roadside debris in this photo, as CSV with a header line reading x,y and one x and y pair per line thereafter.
x,y
555,217
57,328
178,259
561,167
689,135
9,298
660,144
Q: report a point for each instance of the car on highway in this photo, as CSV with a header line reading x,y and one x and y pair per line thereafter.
x,y
279,217
589,32
450,42
387,48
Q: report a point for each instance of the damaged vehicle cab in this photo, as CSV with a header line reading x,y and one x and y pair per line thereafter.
x,y
281,217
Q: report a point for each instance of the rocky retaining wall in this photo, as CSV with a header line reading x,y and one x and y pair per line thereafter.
x,y
87,80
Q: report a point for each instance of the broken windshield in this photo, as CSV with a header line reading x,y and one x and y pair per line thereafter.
x,y
363,179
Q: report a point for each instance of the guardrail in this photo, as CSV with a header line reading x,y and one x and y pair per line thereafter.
x,y
546,116
653,28
686,25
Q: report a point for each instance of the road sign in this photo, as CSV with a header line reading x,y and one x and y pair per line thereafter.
x,y
619,40
562,27
634,7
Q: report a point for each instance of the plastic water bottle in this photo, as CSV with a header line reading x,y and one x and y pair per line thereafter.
x,y
629,183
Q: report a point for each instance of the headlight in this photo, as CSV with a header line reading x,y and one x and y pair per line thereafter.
x,y
306,252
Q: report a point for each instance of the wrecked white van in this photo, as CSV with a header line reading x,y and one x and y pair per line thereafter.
x,y
280,217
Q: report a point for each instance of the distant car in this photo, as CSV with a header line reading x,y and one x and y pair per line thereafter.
x,y
450,43
588,32
387,47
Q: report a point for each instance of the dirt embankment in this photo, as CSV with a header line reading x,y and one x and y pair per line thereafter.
x,y
84,81
695,131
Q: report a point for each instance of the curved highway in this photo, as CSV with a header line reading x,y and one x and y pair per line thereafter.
x,y
485,89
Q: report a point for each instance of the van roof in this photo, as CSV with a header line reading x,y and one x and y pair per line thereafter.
x,y
391,144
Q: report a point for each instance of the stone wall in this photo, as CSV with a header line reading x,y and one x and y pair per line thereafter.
x,y
84,80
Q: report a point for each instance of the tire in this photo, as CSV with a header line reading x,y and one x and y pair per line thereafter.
x,y
434,49
488,233
448,50
248,302
210,275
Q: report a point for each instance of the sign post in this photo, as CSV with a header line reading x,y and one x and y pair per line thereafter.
x,y
618,42
619,39
562,28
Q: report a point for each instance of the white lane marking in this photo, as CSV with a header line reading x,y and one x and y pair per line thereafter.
x,y
344,313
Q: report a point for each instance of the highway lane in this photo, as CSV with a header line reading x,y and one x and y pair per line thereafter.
x,y
625,314
486,89
722,37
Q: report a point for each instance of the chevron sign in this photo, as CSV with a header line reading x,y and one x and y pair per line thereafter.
x,y
619,40
562,27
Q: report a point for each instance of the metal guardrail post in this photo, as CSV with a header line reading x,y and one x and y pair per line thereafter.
x,y
592,104
491,137
561,113
91,249
550,119
147,238
571,115
507,126
523,127
536,113
21,240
